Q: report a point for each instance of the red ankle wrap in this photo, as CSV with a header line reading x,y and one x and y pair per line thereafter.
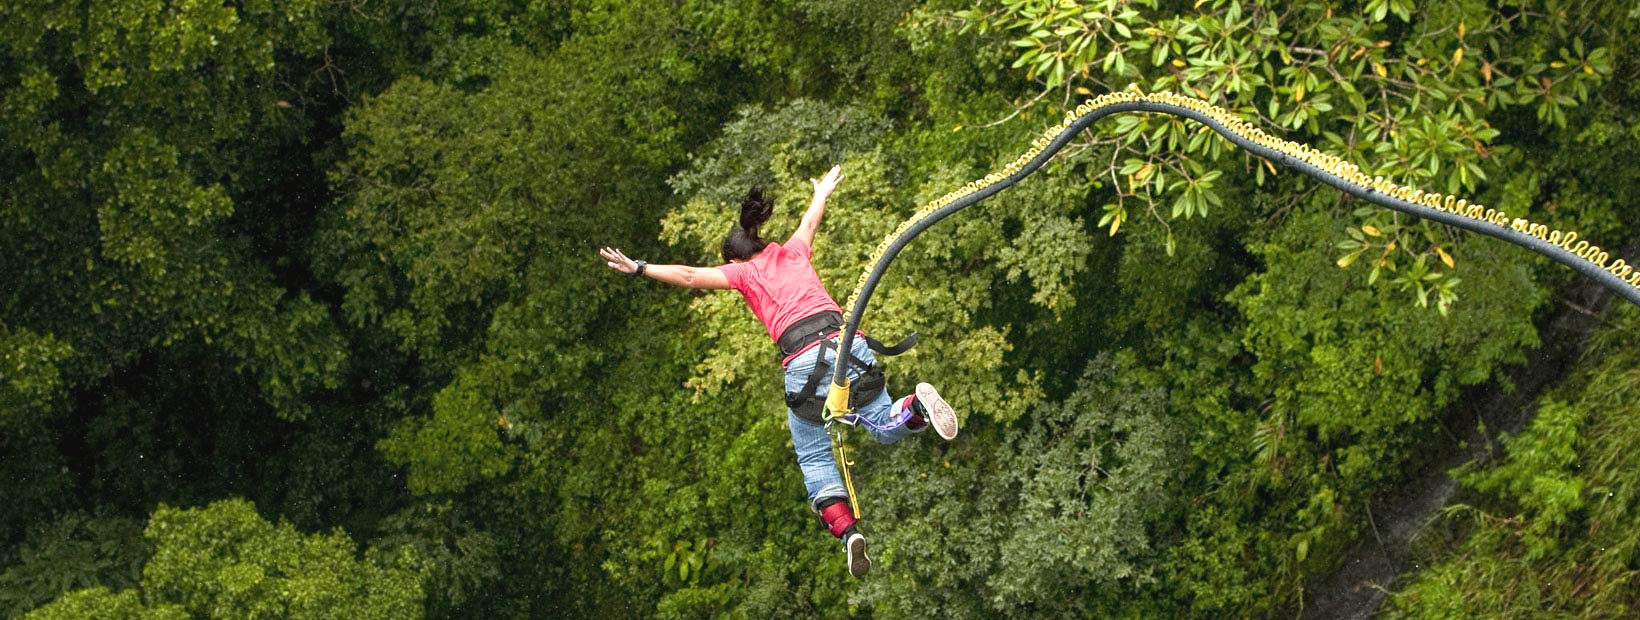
x,y
913,419
838,518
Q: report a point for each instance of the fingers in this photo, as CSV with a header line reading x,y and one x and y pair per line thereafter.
x,y
829,181
614,258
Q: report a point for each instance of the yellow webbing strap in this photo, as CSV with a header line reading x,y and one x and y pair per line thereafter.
x,y
836,409
839,446
837,401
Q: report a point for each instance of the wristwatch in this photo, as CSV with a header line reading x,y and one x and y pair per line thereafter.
x,y
641,265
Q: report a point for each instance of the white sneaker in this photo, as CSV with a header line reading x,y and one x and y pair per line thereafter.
x,y
858,563
940,414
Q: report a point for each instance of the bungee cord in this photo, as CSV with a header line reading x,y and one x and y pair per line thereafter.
x,y
1565,247
1618,275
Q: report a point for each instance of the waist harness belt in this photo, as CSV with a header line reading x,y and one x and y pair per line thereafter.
x,y
822,327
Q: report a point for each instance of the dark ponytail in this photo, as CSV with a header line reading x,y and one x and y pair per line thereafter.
x,y
743,242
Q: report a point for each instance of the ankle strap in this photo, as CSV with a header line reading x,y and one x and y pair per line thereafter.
x,y
837,517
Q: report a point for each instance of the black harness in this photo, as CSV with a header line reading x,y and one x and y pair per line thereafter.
x,y
822,327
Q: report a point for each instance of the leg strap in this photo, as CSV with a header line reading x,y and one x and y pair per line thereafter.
x,y
808,407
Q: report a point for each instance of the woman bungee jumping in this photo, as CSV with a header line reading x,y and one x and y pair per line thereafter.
x,y
784,292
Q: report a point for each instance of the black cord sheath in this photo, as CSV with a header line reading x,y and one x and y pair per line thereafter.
x,y
1565,256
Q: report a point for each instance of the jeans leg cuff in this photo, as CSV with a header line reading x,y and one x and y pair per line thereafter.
x,y
834,491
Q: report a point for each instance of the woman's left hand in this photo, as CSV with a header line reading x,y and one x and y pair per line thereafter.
x,y
824,186
618,261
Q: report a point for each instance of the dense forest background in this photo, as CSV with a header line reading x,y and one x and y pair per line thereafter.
x,y
300,314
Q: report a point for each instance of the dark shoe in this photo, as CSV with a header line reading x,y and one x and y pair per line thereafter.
x,y
858,563
939,412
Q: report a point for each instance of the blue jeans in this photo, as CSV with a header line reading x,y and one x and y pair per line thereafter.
x,y
813,446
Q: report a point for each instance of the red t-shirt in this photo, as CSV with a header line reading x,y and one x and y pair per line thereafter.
x,y
780,285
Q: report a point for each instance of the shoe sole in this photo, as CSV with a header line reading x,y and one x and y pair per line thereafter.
x,y
858,563
940,414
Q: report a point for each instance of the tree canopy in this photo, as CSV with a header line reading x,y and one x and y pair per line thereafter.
x,y
301,315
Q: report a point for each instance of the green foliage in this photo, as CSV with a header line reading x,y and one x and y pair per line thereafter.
x,y
1550,532
456,560
38,480
336,259
1539,475
1344,381
465,234
226,561
126,126
1055,521
101,604
1095,473
32,374
458,445
1327,345
74,551
1413,101
464,42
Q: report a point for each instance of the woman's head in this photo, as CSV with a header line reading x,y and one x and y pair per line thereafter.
x,y
743,242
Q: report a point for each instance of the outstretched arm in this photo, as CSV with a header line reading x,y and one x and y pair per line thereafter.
x,y
676,275
817,205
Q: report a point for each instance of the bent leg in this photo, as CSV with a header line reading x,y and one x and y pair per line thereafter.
x,y
888,416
